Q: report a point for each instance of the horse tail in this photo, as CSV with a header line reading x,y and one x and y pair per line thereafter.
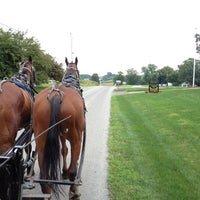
x,y
51,157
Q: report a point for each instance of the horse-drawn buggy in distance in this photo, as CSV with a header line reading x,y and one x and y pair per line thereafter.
x,y
153,87
58,115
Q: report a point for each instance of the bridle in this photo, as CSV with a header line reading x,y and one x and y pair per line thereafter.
x,y
24,67
27,69
23,71
70,70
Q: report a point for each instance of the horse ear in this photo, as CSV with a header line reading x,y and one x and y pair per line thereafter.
x,y
76,60
66,61
30,59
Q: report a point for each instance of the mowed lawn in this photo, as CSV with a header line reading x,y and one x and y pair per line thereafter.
x,y
154,146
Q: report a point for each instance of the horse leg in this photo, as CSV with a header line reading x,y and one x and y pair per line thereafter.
x,y
75,152
46,188
64,152
75,143
28,150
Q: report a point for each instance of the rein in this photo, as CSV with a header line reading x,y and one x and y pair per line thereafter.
x,y
34,139
46,131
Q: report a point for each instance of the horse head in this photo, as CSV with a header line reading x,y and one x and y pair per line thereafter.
x,y
27,71
72,69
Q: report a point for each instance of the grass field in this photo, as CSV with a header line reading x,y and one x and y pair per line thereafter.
x,y
154,146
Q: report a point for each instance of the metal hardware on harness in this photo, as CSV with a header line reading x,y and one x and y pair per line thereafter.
x,y
56,90
1,83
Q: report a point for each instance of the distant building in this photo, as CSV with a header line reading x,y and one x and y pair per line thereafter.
x,y
185,84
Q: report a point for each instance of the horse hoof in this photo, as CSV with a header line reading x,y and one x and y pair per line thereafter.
x,y
74,195
65,174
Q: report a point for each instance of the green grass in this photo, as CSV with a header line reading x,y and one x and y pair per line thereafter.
x,y
42,86
154,146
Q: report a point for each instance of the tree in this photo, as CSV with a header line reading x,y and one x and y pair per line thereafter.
x,y
55,71
197,73
16,44
108,76
95,78
9,54
166,75
174,78
119,76
85,76
150,73
132,77
185,71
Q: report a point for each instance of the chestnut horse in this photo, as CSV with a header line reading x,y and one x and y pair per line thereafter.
x,y
16,103
52,105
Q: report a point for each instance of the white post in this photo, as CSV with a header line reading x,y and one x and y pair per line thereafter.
x,y
193,82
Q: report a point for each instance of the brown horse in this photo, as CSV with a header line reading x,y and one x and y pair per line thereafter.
x,y
16,102
52,105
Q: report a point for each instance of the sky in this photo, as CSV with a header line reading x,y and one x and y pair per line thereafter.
x,y
108,35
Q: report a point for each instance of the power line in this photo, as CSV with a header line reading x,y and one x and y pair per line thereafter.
x,y
9,27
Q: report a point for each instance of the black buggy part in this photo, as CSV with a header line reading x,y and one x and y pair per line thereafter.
x,y
12,174
13,165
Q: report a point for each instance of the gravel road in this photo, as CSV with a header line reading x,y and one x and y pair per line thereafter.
x,y
94,173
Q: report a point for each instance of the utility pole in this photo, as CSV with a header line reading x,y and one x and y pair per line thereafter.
x,y
197,36
71,47
193,80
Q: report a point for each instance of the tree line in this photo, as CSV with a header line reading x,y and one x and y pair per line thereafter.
x,y
165,75
16,44
151,73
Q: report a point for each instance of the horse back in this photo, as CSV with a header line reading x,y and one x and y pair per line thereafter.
x,y
15,103
15,111
72,106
